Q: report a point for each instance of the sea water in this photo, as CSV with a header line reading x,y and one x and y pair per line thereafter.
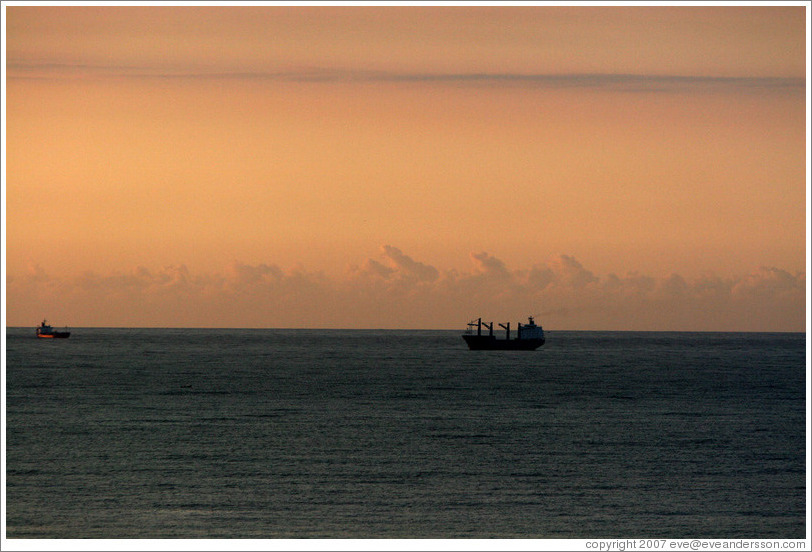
x,y
161,433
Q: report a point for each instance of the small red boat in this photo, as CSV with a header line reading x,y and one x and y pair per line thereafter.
x,y
46,331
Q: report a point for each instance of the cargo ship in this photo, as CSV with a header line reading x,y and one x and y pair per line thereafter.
x,y
529,337
46,331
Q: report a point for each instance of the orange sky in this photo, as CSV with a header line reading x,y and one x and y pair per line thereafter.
x,y
157,155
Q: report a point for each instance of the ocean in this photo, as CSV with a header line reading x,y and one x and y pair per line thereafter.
x,y
265,434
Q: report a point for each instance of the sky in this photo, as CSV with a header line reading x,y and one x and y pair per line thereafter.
x,y
599,167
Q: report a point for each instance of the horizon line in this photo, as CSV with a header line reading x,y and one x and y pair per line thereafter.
x,y
373,329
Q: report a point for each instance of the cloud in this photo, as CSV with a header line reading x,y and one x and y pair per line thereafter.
x,y
374,269
767,282
569,272
408,267
626,82
241,276
489,266
394,290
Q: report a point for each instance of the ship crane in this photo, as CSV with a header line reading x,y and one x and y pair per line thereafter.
x,y
479,323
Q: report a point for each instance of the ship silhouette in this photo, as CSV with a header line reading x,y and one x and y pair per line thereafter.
x,y
529,337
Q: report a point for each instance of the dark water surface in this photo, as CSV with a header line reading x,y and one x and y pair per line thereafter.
x,y
125,433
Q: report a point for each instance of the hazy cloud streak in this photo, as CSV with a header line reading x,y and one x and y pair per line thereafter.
x,y
622,82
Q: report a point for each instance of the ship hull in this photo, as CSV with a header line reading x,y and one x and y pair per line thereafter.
x,y
490,343
54,335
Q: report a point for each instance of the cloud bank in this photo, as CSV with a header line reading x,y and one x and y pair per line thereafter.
x,y
393,290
